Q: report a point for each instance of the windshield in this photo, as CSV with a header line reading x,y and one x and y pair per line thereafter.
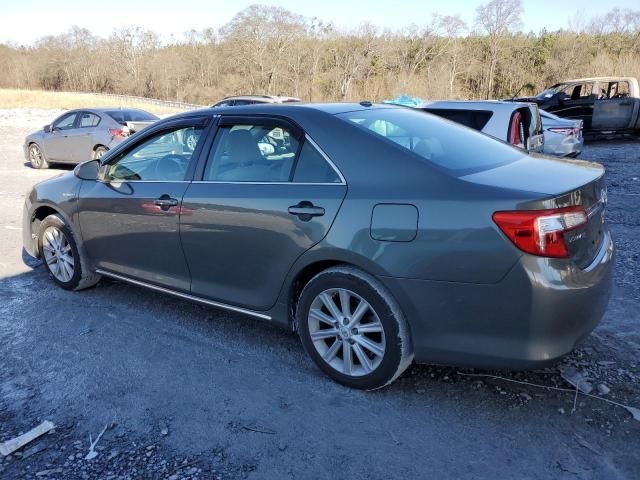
x,y
457,149
122,116
549,92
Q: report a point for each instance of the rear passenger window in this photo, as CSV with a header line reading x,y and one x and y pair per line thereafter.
x,y
252,153
269,153
476,119
89,120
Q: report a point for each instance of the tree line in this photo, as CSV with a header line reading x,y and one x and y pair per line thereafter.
x,y
271,50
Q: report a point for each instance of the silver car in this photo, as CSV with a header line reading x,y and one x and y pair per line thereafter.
x,y
83,134
562,136
253,100
512,122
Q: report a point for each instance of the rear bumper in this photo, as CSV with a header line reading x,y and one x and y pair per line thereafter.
x,y
538,313
566,147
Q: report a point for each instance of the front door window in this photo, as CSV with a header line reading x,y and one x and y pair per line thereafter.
x,y
163,157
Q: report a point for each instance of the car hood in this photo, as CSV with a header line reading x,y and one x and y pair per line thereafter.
x,y
539,174
37,135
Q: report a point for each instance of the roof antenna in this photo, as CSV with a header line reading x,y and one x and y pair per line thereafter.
x,y
366,103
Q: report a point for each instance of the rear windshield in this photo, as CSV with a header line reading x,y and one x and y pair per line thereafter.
x,y
122,116
457,149
476,119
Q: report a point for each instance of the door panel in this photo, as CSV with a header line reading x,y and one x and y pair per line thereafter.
x,y
84,141
576,101
57,144
125,232
614,113
240,239
130,218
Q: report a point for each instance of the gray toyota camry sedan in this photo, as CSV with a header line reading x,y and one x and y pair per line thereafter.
x,y
380,234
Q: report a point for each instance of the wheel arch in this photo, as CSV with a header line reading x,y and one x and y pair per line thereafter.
x,y
96,147
312,263
39,214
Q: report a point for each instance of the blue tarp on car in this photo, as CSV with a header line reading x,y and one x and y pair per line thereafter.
x,y
405,101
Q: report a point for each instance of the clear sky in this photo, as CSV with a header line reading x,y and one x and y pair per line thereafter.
x,y
23,21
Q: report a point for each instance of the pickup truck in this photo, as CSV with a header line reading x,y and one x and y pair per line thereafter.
x,y
604,104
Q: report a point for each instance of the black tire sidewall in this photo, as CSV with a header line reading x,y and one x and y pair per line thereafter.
x,y
58,222
393,342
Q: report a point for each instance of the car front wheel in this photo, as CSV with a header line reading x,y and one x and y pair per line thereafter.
x,y
62,257
36,157
353,329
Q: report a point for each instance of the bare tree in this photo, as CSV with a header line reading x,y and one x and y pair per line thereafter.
x,y
497,19
270,50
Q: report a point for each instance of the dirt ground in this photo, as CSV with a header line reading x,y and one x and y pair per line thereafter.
x,y
187,391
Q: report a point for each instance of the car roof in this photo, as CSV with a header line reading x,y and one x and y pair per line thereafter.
x,y
286,109
261,98
597,79
474,104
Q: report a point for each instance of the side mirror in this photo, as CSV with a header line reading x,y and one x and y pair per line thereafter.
x,y
47,128
87,170
563,97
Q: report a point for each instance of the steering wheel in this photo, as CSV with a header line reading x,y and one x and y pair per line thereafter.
x,y
170,167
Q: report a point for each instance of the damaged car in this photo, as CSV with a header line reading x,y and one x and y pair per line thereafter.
x,y
604,104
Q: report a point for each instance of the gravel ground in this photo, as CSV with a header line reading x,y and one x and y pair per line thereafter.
x,y
186,391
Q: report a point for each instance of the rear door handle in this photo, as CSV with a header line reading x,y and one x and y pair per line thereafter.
x,y
306,210
165,202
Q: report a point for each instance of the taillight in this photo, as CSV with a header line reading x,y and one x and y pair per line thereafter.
x,y
515,136
541,232
118,132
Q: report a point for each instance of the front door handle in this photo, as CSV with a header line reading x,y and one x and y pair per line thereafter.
x,y
165,202
305,211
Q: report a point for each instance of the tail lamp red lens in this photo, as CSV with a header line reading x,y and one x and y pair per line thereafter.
x,y
514,129
541,232
118,132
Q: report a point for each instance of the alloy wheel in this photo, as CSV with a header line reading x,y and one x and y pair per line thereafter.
x,y
192,141
58,254
346,331
35,155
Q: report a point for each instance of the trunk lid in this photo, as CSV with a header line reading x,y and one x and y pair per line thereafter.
x,y
584,241
544,183
134,126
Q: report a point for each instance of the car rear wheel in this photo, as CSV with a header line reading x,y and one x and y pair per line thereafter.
x,y
36,157
62,257
99,152
353,329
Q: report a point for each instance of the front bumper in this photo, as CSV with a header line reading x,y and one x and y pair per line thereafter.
x,y
28,241
538,313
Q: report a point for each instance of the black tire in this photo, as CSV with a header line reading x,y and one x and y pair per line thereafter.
x,y
99,152
82,277
36,157
398,350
